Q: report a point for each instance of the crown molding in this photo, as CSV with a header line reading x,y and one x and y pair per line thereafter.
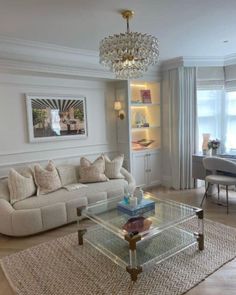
x,y
230,60
43,51
199,61
44,58
172,63
193,61
29,56
18,66
206,61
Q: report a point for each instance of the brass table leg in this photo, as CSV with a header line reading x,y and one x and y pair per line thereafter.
x,y
134,272
200,234
133,269
81,231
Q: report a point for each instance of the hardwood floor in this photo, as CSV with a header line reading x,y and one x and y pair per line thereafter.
x,y
221,282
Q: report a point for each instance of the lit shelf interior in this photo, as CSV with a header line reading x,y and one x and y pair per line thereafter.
x,y
143,105
145,112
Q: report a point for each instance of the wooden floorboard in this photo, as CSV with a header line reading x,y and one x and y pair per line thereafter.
x,y
223,281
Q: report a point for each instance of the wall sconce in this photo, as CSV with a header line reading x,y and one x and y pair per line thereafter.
x,y
118,108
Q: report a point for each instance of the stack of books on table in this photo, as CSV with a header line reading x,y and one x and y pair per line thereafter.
x,y
144,206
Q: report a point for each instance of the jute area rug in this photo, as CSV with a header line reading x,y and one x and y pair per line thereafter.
x,y
61,267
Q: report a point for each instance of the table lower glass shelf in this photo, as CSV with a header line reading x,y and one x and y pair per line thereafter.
x,y
156,249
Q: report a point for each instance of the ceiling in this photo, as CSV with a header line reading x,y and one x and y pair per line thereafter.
x,y
190,28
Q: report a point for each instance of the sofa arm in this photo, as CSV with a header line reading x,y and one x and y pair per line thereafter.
x,y
6,211
130,179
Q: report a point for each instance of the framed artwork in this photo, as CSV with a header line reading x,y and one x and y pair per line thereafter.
x,y
146,96
56,117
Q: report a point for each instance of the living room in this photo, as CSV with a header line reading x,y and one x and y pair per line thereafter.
x,y
60,108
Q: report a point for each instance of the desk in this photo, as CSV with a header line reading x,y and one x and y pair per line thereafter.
x,y
198,171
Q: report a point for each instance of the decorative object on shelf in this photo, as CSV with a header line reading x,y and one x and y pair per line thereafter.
x,y
137,224
138,102
118,109
138,193
126,199
140,119
213,145
141,144
145,142
146,96
56,117
205,140
129,54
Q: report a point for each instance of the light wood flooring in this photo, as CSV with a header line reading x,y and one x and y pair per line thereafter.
x,y
221,282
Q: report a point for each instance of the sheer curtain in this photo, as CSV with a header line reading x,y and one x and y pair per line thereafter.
x,y
182,125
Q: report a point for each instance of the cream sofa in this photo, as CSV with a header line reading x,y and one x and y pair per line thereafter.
x,y
44,212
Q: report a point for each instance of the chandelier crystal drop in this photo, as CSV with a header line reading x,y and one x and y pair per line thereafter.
x,y
129,54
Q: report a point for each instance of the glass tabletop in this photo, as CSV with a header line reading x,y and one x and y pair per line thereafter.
x,y
164,215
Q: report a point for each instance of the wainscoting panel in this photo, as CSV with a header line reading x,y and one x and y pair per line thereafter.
x,y
15,148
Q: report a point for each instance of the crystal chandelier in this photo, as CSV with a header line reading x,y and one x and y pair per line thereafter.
x,y
129,54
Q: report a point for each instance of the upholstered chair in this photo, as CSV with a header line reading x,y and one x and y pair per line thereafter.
x,y
220,172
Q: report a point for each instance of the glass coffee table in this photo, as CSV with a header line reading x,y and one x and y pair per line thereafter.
x,y
154,236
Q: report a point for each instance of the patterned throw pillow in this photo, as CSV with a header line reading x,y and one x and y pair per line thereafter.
x,y
67,174
92,172
21,185
112,168
47,179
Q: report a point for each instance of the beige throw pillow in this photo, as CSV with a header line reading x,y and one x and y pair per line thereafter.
x,y
21,185
92,172
112,168
67,174
47,179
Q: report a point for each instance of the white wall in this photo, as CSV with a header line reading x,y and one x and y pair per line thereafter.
x,y
14,142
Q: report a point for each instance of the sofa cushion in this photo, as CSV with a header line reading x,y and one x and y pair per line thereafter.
x,y
96,197
4,190
71,207
92,172
113,187
67,174
112,168
61,195
21,186
54,215
47,179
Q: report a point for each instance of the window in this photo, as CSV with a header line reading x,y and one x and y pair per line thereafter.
x,y
209,106
217,116
230,118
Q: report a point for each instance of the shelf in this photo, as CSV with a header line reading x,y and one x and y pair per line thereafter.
x,y
145,149
143,128
160,247
137,105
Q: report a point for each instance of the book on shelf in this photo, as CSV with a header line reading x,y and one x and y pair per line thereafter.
x,y
146,95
